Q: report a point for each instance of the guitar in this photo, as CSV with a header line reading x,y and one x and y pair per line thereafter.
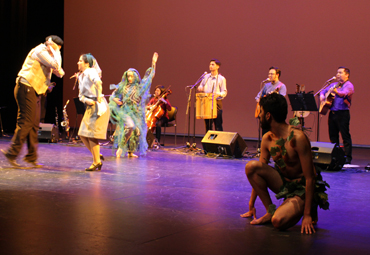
x,y
329,98
258,107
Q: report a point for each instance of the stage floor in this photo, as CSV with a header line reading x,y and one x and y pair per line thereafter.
x,y
168,202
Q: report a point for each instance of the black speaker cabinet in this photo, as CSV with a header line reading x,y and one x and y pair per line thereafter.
x,y
328,154
150,139
48,132
226,143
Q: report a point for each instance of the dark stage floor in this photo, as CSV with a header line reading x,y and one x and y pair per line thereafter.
x,y
169,202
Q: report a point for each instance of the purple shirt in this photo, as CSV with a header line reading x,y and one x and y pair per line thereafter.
x,y
342,102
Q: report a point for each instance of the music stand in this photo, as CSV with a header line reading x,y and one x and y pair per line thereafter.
x,y
80,109
303,102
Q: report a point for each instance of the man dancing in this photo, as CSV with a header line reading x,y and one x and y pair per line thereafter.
x,y
294,176
33,81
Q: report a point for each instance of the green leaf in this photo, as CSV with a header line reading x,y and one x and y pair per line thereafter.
x,y
283,150
280,162
323,196
274,150
294,121
280,142
290,137
272,209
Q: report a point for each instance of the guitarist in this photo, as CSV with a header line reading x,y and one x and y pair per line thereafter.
x,y
272,85
339,116
164,104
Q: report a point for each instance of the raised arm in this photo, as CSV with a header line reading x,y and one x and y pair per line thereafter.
x,y
148,77
154,61
42,55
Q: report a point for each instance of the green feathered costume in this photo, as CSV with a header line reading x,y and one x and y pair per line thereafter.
x,y
134,97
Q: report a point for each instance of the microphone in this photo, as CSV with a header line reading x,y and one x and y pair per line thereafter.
x,y
268,79
201,77
74,76
204,74
66,104
332,79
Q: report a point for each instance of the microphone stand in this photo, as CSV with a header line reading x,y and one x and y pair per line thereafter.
x,y
1,124
189,106
258,153
326,84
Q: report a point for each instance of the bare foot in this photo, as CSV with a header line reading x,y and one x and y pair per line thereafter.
x,y
264,219
249,214
118,153
132,155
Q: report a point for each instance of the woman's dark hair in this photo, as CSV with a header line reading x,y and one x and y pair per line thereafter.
x,y
88,58
162,88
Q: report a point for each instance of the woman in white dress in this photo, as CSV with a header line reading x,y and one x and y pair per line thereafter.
x,y
95,120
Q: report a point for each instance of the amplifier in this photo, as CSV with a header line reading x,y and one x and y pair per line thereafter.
x,y
227,143
329,155
48,132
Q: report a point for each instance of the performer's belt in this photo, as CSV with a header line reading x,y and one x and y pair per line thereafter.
x,y
92,98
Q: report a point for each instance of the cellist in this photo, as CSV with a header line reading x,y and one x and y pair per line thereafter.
x,y
165,106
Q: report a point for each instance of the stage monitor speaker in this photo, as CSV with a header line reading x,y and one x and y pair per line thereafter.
x,y
48,132
226,143
328,155
150,139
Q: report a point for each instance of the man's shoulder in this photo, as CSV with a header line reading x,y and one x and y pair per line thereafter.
x,y
40,47
300,137
282,84
349,83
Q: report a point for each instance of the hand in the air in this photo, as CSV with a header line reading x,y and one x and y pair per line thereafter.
x,y
155,58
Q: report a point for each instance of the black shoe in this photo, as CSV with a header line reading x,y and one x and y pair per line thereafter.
x,y
10,159
102,157
348,161
34,163
95,167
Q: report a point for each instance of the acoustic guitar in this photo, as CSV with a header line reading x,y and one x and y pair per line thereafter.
x,y
328,101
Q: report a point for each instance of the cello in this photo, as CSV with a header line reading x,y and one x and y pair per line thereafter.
x,y
155,112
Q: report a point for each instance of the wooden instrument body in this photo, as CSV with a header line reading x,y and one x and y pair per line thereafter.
x,y
206,106
155,112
